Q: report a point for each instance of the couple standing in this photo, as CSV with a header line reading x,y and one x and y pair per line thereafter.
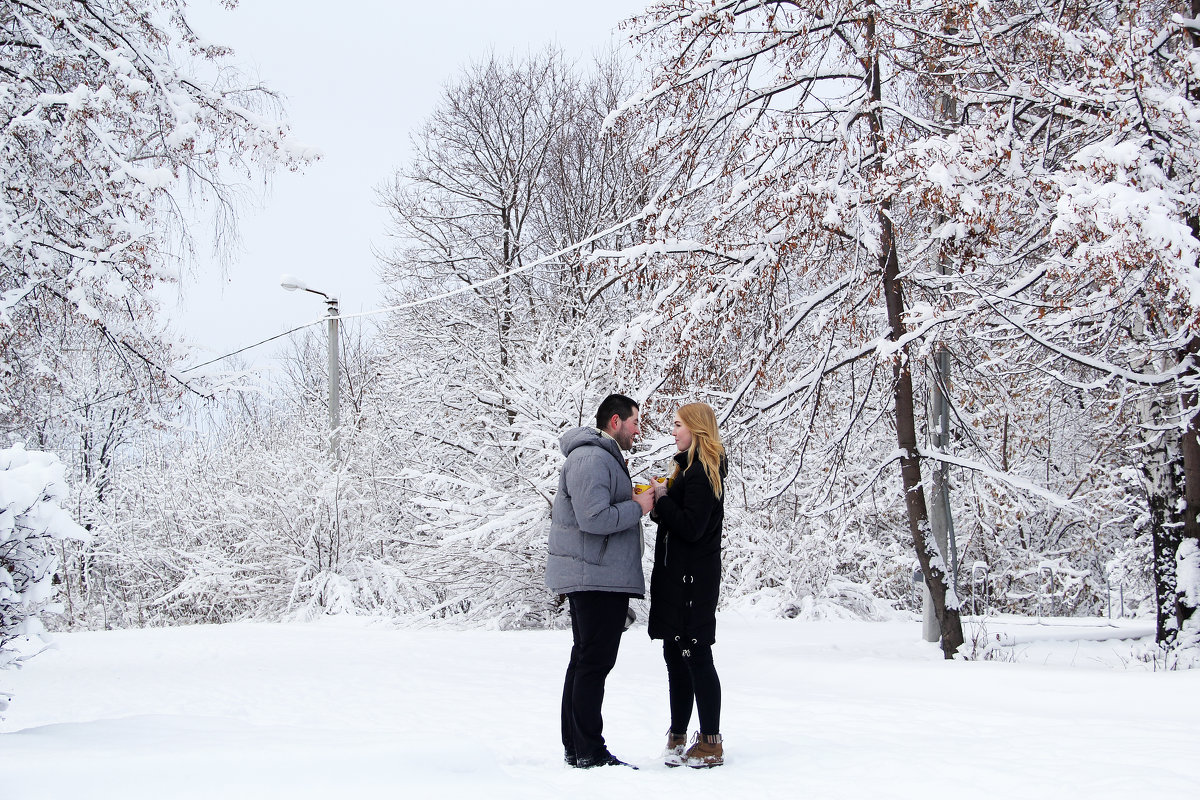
x,y
596,561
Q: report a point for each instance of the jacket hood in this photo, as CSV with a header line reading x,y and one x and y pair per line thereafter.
x,y
585,437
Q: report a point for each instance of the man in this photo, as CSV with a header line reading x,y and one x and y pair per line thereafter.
x,y
596,561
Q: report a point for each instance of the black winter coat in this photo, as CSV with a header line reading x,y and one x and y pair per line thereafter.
x,y
686,579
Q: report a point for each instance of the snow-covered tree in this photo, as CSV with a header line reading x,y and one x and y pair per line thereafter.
x,y
511,172
1090,117
118,123
782,221
858,187
114,116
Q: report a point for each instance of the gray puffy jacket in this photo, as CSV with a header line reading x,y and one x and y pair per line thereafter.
x,y
596,526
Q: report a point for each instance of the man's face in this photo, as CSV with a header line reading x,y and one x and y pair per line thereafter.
x,y
625,431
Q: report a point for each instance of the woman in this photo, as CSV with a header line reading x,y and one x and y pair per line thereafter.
x,y
685,583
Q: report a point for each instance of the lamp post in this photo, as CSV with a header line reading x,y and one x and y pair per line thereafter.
x,y
292,284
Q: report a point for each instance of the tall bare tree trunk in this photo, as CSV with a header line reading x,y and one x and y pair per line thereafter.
x,y
932,561
1189,401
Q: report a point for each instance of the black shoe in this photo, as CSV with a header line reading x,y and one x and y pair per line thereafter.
x,y
601,759
570,759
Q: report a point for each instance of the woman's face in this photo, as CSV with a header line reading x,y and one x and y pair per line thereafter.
x,y
683,437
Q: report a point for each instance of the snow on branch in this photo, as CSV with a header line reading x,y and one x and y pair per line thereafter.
x,y
1003,477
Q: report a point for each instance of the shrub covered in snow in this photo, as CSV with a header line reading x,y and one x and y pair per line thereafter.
x,y
32,519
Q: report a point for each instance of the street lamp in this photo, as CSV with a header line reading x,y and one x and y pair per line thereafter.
x,y
292,284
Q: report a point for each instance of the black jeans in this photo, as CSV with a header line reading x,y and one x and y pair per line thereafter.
x,y
691,676
597,622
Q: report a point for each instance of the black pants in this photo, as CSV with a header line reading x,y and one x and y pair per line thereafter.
x,y
597,622
691,676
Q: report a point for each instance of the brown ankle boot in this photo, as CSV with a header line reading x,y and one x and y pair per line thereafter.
x,y
706,751
673,754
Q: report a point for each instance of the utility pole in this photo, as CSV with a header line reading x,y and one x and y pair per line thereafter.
x,y
292,284
335,378
941,521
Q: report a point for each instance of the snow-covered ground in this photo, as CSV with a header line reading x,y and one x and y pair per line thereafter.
x,y
351,709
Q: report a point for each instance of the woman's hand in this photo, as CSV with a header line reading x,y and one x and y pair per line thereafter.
x,y
659,486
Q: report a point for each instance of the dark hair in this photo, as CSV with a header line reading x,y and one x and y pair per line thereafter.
x,y
617,404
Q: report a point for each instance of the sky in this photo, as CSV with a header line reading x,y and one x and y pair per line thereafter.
x,y
355,84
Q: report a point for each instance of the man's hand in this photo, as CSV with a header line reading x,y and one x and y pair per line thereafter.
x,y
645,500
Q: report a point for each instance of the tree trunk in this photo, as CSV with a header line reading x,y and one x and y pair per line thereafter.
x,y
1161,475
1189,407
933,564
1178,602
1186,598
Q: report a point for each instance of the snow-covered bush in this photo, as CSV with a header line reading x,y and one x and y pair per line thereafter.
x,y
32,521
245,520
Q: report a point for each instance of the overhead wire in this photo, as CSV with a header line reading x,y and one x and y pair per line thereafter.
x,y
425,300
412,304
257,344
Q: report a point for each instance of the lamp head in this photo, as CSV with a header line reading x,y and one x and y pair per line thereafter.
x,y
292,283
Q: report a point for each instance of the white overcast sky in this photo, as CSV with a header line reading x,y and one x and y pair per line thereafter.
x,y
357,77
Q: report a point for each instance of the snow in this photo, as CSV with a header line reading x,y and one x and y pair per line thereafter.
x,y
1187,571
292,283
352,708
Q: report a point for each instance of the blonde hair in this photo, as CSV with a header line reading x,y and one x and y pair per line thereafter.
x,y
706,443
